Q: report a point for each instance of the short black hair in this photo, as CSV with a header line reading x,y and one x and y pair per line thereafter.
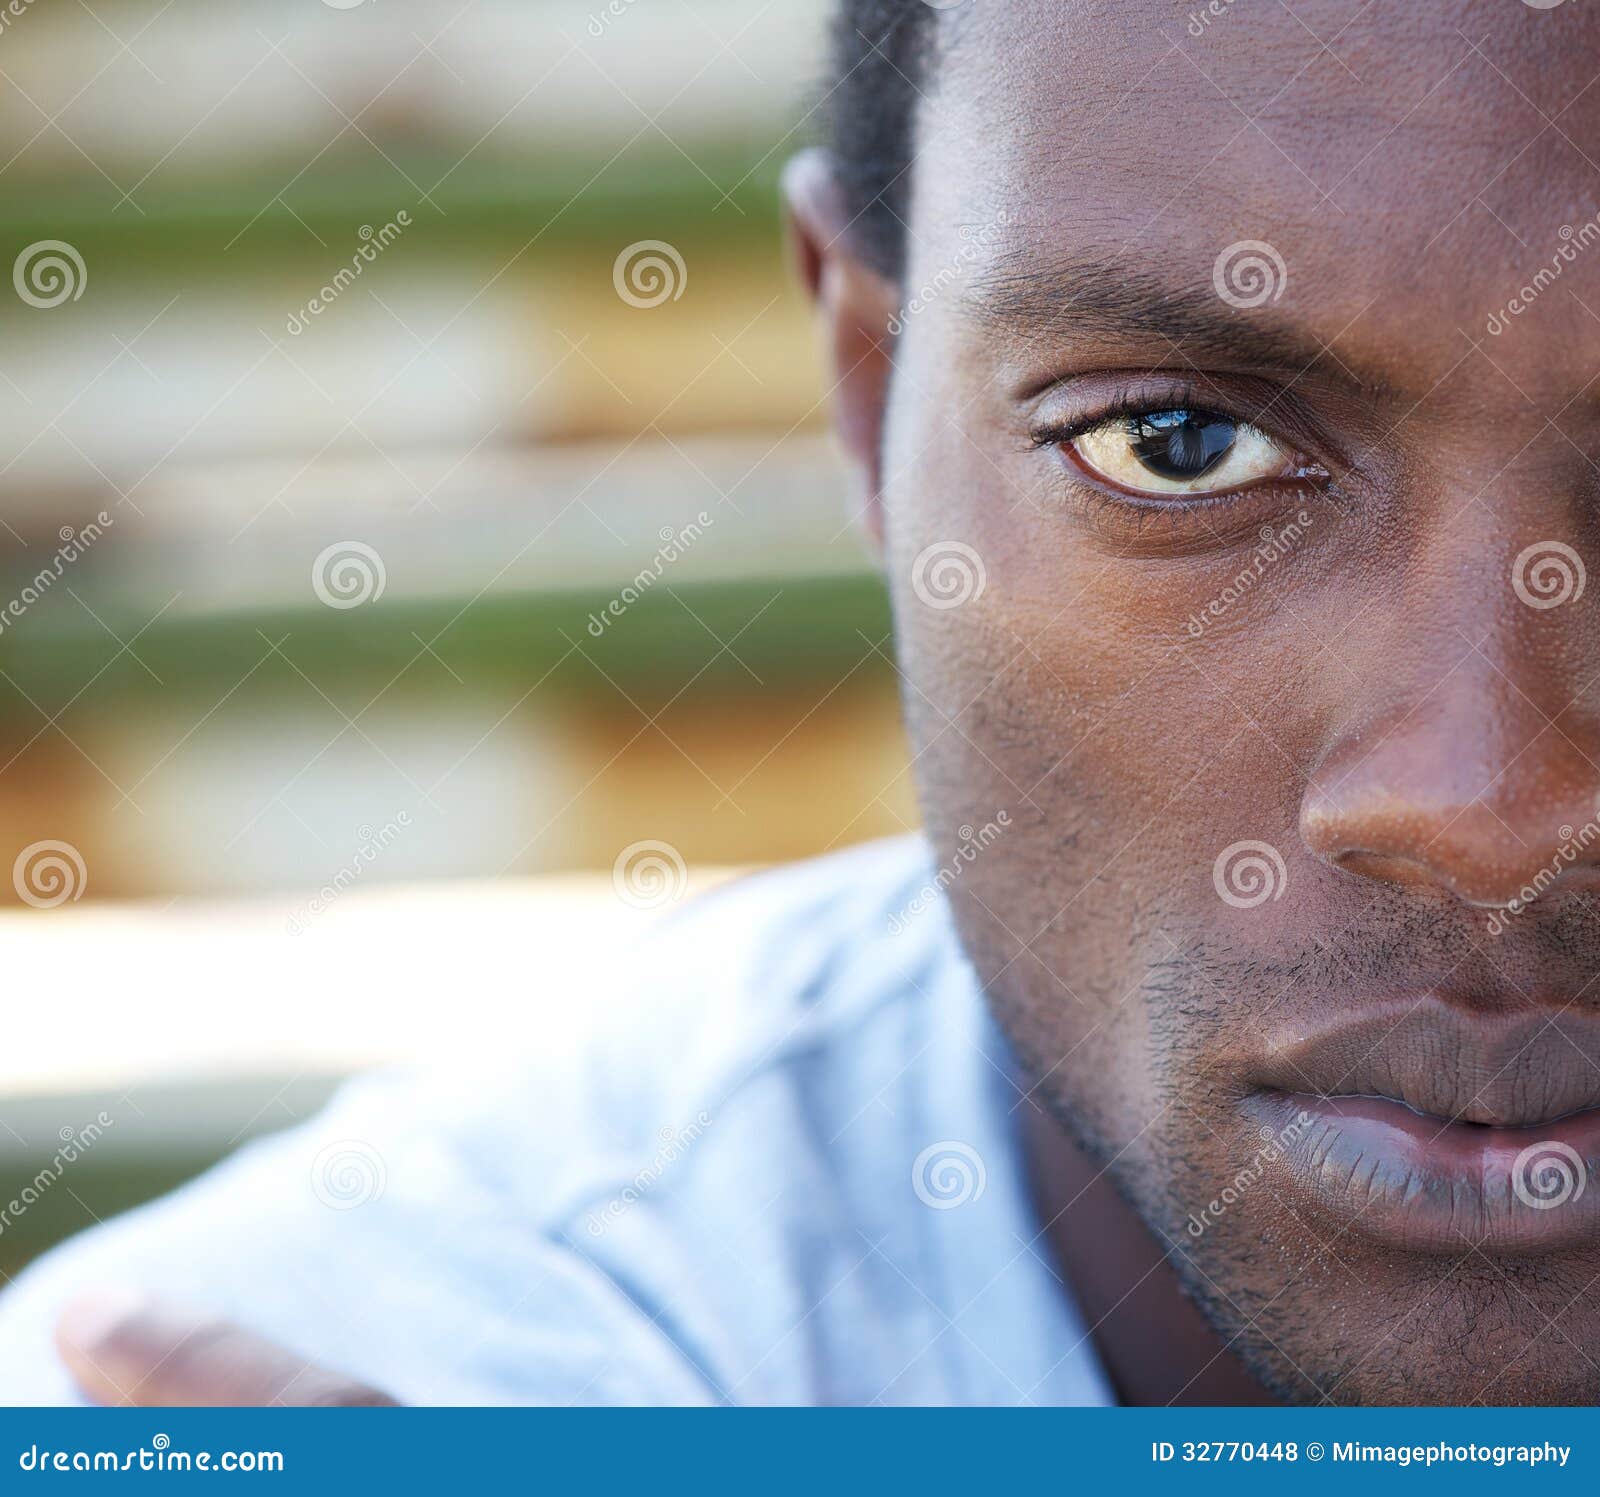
x,y
880,62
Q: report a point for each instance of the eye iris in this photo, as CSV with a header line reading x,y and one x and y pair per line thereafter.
x,y
1181,444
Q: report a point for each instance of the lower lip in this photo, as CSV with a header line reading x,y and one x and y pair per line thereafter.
x,y
1375,1168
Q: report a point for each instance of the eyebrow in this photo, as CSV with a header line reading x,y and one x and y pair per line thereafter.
x,y
1084,297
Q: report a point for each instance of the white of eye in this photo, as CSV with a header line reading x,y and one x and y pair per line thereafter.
x,y
1108,450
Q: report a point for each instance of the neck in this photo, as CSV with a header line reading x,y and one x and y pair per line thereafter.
x,y
1154,1343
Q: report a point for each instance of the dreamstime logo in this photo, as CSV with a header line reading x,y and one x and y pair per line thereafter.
x,y
948,574
373,244
1548,574
1573,842
1548,1174
1275,545
73,544
1572,242
75,1143
348,574
948,1174
612,12
1200,19
13,13
974,240
673,545
372,845
48,874
648,273
1272,1146
943,4
1543,4
1249,273
972,843
675,1143
1249,873
348,1174
48,273
648,875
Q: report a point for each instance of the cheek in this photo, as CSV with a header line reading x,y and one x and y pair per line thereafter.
x,y
1048,682
1052,697
1133,713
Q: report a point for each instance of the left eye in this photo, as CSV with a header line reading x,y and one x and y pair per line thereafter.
x,y
1180,452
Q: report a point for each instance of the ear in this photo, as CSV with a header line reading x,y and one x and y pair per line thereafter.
x,y
856,307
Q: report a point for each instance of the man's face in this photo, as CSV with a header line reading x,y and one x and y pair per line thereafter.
x,y
1281,718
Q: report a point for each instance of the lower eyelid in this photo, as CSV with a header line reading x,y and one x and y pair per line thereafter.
x,y
1193,525
1175,524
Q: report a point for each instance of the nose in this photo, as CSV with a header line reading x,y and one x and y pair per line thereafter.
x,y
1476,772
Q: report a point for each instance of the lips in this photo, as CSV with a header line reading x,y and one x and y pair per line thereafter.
x,y
1433,1127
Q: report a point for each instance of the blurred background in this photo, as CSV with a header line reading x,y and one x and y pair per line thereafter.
x,y
422,558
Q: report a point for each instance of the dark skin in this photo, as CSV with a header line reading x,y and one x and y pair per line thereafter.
x,y
1383,709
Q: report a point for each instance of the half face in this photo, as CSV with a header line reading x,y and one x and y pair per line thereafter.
x,y
1240,478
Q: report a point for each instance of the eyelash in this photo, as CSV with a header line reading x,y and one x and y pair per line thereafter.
x,y
1144,517
1121,409
1130,400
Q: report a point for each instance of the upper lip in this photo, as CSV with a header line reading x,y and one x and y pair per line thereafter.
x,y
1445,1060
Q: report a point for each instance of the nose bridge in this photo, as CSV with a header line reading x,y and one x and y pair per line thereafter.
x,y
1472,763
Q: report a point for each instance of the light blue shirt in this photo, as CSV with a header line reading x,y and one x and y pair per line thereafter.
x,y
782,1167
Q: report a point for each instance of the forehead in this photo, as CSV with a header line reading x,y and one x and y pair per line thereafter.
x,y
1421,157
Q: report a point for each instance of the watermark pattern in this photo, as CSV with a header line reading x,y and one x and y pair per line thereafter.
x,y
373,845
648,273
49,874
1572,843
348,574
74,542
348,1174
948,1174
973,240
14,12
673,545
373,243
972,843
1273,1143
614,10
648,875
1214,10
75,1143
1572,241
1548,1174
1249,873
1275,545
1250,273
948,574
1548,574
49,272
675,1143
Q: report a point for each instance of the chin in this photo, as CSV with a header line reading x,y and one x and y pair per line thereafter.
x,y
1320,1316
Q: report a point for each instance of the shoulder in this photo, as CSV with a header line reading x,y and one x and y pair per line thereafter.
x,y
511,1234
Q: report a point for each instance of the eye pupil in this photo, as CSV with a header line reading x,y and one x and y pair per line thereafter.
x,y
1181,444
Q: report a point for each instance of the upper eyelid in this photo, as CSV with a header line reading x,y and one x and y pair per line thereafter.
x,y
1109,394
1053,434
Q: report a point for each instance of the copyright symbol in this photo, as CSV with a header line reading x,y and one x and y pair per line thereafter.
x,y
1314,1451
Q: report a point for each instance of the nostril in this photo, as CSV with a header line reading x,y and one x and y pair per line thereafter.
x,y
1388,868
1473,855
1476,886
1482,805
